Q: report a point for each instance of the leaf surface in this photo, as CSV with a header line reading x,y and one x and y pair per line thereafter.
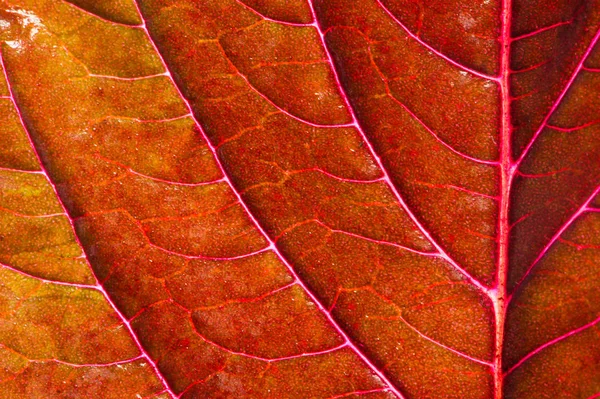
x,y
300,199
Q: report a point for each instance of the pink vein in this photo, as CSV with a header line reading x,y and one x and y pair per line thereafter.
x,y
501,308
373,240
554,106
333,176
140,226
47,281
272,245
77,365
547,28
574,128
438,138
499,293
272,359
215,258
99,287
446,347
433,50
32,172
23,215
261,15
358,393
99,17
129,79
550,343
279,108
158,179
583,208
128,118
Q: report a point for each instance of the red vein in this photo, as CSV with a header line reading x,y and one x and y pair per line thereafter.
x,y
32,172
78,365
541,175
498,295
386,81
335,177
583,208
48,281
373,240
358,393
263,16
574,128
83,10
272,245
411,326
271,102
270,359
436,136
550,343
530,68
158,179
558,101
547,28
130,79
433,50
23,215
99,286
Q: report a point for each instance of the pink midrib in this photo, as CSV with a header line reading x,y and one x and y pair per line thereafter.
x,y
509,168
498,294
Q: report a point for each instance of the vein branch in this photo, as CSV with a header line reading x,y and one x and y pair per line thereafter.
x,y
263,16
435,51
48,281
583,208
552,342
558,101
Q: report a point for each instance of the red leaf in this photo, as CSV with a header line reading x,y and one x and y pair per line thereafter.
x,y
300,199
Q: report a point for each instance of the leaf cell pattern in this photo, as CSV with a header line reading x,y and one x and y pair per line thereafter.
x,y
300,199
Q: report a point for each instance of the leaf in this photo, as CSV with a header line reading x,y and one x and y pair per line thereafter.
x,y
300,199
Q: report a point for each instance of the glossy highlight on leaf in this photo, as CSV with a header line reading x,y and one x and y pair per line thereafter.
x,y
300,199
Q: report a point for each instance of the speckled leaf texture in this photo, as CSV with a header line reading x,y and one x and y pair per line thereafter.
x,y
300,199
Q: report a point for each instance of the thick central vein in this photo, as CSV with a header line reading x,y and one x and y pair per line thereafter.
x,y
499,293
